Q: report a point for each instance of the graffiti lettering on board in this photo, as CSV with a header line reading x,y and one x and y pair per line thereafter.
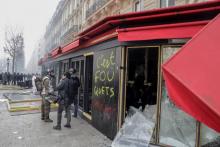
x,y
104,75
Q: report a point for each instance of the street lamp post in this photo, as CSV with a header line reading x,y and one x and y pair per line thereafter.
x,y
8,60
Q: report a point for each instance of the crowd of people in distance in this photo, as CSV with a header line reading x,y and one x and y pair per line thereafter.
x,y
19,79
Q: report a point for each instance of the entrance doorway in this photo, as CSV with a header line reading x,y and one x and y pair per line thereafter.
x,y
141,77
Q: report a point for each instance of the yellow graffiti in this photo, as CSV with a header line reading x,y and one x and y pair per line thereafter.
x,y
112,92
105,62
112,58
104,91
112,77
104,75
98,59
101,75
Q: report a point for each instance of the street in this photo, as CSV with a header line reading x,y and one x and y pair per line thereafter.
x,y
29,130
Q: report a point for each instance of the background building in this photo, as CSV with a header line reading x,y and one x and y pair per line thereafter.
x,y
32,66
19,61
3,64
131,46
74,16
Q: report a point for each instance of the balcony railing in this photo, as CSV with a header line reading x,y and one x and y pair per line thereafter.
x,y
98,4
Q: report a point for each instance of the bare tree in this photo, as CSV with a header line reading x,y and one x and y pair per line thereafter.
x,y
13,45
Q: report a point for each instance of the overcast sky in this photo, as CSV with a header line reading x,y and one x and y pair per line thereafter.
x,y
31,16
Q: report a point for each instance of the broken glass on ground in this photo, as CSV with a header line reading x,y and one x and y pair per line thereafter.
x,y
136,131
150,112
20,137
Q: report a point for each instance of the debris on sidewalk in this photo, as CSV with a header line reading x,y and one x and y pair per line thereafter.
x,y
19,137
3,100
15,132
136,131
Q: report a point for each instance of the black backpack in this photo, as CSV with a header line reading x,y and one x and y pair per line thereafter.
x,y
76,84
73,85
38,83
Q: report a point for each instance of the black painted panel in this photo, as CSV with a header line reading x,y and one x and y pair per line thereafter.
x,y
105,94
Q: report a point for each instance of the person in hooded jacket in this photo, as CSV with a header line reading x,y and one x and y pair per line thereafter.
x,y
74,90
64,101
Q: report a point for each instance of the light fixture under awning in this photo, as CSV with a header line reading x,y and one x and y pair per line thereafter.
x,y
192,76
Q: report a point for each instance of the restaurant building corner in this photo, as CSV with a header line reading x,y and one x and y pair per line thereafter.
x,y
156,59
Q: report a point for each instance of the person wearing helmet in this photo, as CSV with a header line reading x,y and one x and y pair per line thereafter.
x,y
47,92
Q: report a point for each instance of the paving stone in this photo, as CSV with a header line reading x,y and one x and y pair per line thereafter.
x,y
30,131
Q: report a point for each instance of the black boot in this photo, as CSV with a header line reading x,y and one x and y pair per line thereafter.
x,y
48,120
67,125
57,127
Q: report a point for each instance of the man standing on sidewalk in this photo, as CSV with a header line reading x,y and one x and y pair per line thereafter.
x,y
47,93
64,100
75,88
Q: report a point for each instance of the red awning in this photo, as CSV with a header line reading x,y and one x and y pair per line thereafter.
x,y
168,31
192,76
40,61
70,46
54,52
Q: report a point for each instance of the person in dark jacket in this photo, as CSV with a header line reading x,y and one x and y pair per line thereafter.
x,y
4,78
8,78
138,86
64,101
0,78
74,90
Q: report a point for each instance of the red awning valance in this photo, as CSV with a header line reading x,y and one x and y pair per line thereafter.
x,y
70,46
40,61
192,76
56,51
168,31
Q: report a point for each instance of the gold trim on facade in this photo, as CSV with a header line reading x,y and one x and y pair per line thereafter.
x,y
198,133
159,85
87,115
88,54
121,93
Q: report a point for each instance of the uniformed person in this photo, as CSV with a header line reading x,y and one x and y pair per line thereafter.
x,y
47,93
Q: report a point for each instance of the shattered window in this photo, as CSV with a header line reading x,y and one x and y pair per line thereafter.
x,y
137,129
176,127
209,137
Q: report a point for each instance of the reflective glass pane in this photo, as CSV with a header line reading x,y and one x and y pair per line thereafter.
x,y
209,137
81,89
176,127
77,67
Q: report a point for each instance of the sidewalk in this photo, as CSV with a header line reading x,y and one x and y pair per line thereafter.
x,y
30,131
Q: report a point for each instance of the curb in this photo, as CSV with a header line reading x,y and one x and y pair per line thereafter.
x,y
28,108
23,101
